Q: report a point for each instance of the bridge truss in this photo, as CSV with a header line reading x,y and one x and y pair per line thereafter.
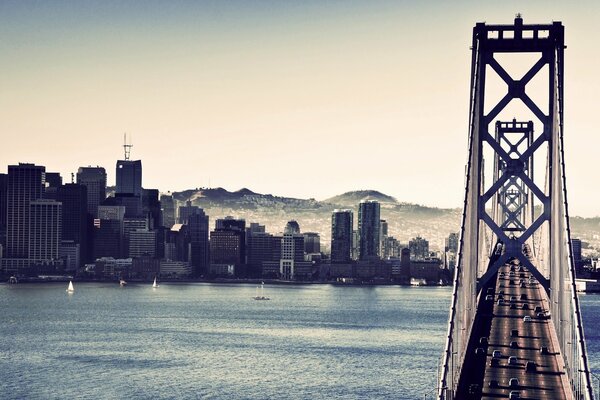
x,y
522,213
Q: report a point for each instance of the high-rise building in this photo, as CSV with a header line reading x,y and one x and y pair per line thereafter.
x,y
53,182
259,249
151,207
383,235
198,228
576,249
419,248
26,183
292,227
74,216
452,243
44,231
3,210
186,211
292,265
341,236
142,242
167,210
177,243
368,230
228,245
312,242
94,179
108,238
129,177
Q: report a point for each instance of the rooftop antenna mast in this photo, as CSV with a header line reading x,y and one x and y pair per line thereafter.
x,y
127,147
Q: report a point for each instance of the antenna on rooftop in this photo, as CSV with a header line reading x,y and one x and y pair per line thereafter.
x,y
127,147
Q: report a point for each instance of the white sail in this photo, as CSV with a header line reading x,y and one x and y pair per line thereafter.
x,y
70,288
155,285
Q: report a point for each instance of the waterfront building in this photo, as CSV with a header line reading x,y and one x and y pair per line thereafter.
x,y
228,244
69,253
383,235
341,236
576,250
25,183
45,231
368,230
108,238
198,228
177,243
3,210
74,216
94,179
175,269
142,242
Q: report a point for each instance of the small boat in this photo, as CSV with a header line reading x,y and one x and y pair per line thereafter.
x,y
155,285
262,293
13,280
122,282
70,289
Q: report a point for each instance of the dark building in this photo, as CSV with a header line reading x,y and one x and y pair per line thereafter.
x,y
312,242
131,202
576,250
94,179
177,243
74,216
405,265
292,227
452,243
129,177
167,210
368,230
53,182
186,211
341,236
228,244
108,238
26,183
198,228
3,211
260,248
151,207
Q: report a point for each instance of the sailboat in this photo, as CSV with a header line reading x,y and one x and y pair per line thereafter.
x,y
70,289
262,293
155,285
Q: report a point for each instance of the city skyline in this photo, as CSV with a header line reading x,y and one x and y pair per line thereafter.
x,y
232,95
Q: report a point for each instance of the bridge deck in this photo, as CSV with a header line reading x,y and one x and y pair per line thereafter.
x,y
483,378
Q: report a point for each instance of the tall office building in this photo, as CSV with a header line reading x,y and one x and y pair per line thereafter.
x,y
45,231
186,211
142,242
341,236
228,244
3,211
198,229
151,207
53,182
292,227
259,249
368,230
312,242
94,179
292,254
74,216
129,177
167,210
383,235
26,183
576,249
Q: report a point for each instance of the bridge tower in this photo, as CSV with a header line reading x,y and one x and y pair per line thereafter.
x,y
521,211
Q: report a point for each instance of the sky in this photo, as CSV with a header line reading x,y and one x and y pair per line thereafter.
x,y
304,99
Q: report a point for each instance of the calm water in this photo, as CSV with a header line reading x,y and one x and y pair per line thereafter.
x,y
214,341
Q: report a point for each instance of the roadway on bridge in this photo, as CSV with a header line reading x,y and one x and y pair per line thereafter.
x,y
515,296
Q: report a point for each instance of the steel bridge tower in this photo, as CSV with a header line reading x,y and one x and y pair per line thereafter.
x,y
521,214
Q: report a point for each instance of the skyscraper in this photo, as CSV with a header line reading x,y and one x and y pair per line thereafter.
x,y
25,184
186,211
129,177
341,236
74,216
3,211
167,210
368,230
228,244
419,248
45,230
312,242
94,179
198,229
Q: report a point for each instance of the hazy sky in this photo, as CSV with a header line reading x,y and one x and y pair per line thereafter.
x,y
302,99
